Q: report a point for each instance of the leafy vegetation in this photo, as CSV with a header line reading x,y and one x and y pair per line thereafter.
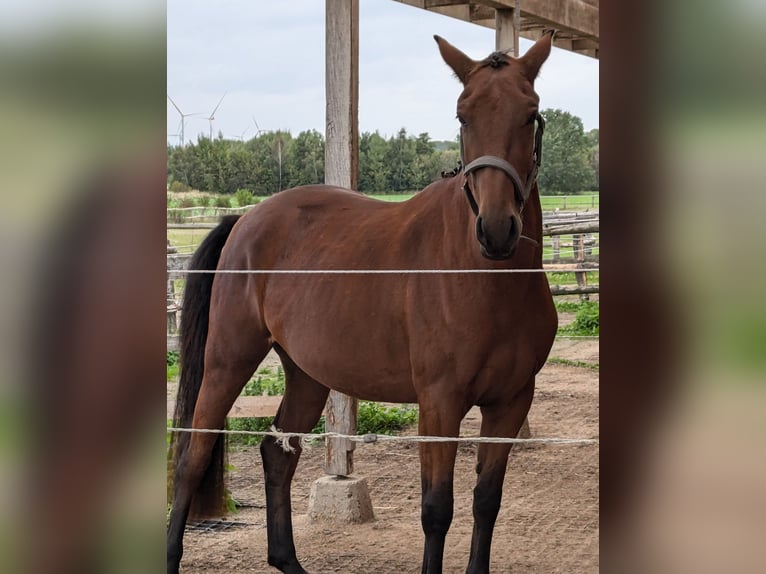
x,y
376,418
570,157
586,320
563,306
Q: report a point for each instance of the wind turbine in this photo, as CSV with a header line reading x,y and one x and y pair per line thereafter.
x,y
258,130
241,137
183,117
212,115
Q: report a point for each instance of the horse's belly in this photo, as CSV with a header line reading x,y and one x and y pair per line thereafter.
x,y
357,375
348,337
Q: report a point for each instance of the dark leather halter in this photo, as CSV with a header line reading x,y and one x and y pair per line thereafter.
x,y
523,189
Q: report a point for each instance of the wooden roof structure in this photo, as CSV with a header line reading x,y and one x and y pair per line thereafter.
x,y
575,21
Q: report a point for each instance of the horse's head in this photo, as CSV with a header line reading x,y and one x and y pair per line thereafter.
x,y
500,146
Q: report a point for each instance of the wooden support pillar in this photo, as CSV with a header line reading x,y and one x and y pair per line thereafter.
x,y
507,28
507,24
341,168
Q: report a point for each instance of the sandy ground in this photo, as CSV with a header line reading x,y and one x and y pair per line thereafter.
x,y
548,521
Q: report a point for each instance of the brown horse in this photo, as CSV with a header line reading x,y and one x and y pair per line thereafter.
x,y
445,341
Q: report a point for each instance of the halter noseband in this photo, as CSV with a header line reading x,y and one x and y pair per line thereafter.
x,y
522,188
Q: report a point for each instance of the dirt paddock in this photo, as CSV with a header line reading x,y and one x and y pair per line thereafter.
x,y
548,521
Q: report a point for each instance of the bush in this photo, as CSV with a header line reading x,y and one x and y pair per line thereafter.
x,y
178,186
205,201
223,201
376,418
586,320
244,197
266,382
186,202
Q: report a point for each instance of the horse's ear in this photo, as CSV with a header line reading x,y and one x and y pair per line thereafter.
x,y
536,55
455,59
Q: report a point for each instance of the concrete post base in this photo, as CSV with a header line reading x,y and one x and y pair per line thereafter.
x,y
340,499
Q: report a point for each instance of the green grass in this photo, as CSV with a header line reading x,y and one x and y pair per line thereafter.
x,y
569,278
396,197
570,363
186,240
563,306
585,200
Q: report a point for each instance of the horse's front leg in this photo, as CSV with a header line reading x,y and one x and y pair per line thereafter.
x,y
503,420
437,467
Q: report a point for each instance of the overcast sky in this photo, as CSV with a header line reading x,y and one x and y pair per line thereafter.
x,y
268,57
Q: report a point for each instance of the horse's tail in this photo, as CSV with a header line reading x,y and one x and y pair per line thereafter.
x,y
209,499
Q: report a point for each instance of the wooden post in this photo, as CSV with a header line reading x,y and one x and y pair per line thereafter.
x,y
556,239
172,327
341,168
507,24
507,29
578,242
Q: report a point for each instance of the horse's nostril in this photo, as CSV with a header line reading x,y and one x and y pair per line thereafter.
x,y
481,234
513,231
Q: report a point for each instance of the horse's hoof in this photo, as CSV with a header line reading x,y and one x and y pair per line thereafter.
x,y
288,567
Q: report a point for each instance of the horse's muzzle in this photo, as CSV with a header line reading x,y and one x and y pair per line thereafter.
x,y
499,238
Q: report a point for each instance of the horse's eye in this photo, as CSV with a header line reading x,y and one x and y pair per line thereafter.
x,y
531,119
461,120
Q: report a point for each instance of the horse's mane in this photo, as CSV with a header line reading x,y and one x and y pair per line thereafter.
x,y
495,60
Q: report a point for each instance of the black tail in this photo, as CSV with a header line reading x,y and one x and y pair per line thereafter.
x,y
209,500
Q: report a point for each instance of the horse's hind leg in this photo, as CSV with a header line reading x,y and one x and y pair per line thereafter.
x,y
227,369
499,421
299,411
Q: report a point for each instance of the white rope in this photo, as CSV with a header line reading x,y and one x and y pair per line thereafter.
x,y
371,438
373,271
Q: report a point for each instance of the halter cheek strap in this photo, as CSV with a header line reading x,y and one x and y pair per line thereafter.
x,y
523,189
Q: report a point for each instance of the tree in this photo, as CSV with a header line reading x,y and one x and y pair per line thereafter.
x,y
565,167
307,158
592,139
399,157
373,171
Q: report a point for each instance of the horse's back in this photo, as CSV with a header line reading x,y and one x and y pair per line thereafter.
x,y
328,227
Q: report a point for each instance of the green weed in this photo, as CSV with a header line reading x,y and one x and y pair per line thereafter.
x,y
586,321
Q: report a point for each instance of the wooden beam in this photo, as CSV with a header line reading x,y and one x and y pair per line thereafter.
x,y
574,15
578,18
590,227
573,289
245,407
341,168
479,12
440,3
